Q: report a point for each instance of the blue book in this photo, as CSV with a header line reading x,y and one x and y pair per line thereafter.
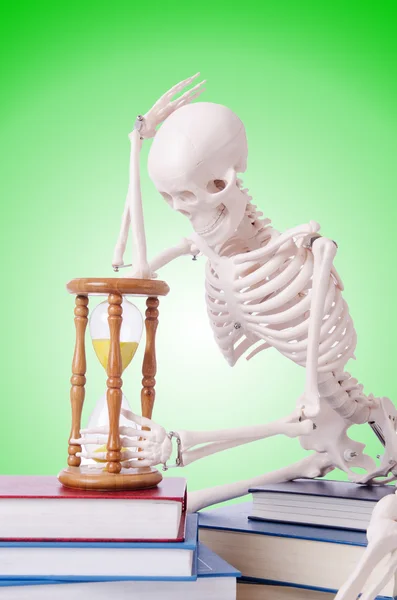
x,y
215,579
101,561
322,502
281,553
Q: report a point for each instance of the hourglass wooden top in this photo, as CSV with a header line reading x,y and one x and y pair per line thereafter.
x,y
117,285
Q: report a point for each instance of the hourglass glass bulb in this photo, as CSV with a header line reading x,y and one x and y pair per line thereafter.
x,y
130,333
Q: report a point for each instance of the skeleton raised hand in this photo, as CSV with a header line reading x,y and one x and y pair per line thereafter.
x,y
166,105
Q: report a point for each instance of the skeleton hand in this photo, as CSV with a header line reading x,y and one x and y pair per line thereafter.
x,y
165,106
155,445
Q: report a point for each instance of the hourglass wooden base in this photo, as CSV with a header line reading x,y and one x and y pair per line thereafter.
x,y
115,477
128,479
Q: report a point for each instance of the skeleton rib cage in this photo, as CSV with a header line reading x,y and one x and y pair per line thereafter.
x,y
268,300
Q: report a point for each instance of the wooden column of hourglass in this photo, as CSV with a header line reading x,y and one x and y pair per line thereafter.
x,y
114,477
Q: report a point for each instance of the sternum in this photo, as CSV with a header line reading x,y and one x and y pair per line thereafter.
x,y
226,271
222,271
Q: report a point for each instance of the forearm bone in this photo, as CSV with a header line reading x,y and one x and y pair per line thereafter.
x,y
211,442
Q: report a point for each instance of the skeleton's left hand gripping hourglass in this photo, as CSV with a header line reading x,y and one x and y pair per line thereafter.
x,y
114,342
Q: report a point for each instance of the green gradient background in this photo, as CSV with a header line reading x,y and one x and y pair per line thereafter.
x,y
315,84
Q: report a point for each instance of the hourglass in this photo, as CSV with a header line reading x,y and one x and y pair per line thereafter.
x,y
115,328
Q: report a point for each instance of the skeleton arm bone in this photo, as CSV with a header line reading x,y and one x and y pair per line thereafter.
x,y
133,208
223,439
184,247
118,254
141,266
136,210
166,256
324,251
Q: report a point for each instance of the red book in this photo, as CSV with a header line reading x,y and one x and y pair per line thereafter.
x,y
35,508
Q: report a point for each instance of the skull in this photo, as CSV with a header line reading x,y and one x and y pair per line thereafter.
x,y
194,161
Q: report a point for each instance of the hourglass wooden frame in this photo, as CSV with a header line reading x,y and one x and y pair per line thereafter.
x,y
114,477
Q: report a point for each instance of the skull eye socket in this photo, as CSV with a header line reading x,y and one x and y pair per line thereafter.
x,y
186,196
216,185
166,197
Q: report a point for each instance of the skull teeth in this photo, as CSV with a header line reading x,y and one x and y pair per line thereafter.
x,y
213,224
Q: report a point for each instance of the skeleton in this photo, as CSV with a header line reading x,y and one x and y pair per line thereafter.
x,y
263,289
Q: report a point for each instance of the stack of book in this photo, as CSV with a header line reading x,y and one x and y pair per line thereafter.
x,y
57,542
298,540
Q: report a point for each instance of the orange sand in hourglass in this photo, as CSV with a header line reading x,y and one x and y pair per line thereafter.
x,y
127,350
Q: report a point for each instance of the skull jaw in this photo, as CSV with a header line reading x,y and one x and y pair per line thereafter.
x,y
222,223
